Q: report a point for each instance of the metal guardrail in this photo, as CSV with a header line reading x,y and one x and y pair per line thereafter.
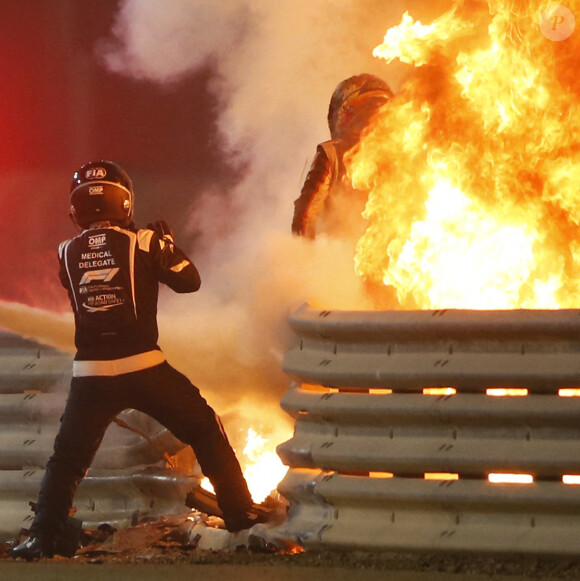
x,y
127,476
367,439
408,350
116,497
30,424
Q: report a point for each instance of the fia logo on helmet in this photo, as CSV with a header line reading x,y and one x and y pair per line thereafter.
x,y
95,173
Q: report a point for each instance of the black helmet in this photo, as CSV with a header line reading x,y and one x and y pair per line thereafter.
x,y
354,100
99,191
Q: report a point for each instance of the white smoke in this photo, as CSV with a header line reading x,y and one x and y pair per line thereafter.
x,y
275,65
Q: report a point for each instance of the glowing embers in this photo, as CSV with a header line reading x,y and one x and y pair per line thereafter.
x,y
569,392
433,391
381,475
311,387
507,478
502,478
315,388
441,476
492,478
490,391
506,392
439,391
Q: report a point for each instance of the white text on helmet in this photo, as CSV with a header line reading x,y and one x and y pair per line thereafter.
x,y
95,173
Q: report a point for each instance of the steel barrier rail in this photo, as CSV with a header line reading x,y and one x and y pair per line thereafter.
x,y
468,350
30,423
30,407
336,511
413,434
34,380
119,449
117,497
34,370
366,435
381,326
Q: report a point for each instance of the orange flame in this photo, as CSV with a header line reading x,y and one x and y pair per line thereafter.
x,y
262,467
473,168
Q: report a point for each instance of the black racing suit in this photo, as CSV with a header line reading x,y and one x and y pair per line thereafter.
x,y
319,181
112,276
328,203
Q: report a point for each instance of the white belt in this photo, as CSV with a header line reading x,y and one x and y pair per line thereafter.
x,y
112,367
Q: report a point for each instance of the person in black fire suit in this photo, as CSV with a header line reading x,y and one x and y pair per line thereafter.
x,y
112,271
328,202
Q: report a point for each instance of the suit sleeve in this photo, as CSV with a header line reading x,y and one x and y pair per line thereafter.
x,y
174,268
62,271
313,195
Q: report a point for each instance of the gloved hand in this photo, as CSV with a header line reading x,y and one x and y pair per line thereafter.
x,y
161,228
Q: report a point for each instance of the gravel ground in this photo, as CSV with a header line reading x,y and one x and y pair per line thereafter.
x,y
453,565
515,566
167,543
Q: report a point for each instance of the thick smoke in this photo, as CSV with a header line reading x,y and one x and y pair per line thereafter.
x,y
275,65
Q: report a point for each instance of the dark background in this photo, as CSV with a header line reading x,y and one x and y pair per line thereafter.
x,y
60,108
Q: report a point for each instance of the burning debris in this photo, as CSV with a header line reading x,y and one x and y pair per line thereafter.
x,y
194,530
200,528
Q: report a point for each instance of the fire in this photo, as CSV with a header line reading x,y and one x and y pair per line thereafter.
x,y
263,469
473,168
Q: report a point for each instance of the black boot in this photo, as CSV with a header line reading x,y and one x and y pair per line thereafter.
x,y
246,520
69,540
38,545
33,548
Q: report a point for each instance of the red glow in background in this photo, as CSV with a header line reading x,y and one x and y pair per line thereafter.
x,y
60,108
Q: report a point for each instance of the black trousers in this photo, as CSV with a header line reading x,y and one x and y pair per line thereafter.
x,y
160,392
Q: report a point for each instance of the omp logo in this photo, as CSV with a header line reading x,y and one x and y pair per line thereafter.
x,y
95,173
97,240
103,275
95,190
